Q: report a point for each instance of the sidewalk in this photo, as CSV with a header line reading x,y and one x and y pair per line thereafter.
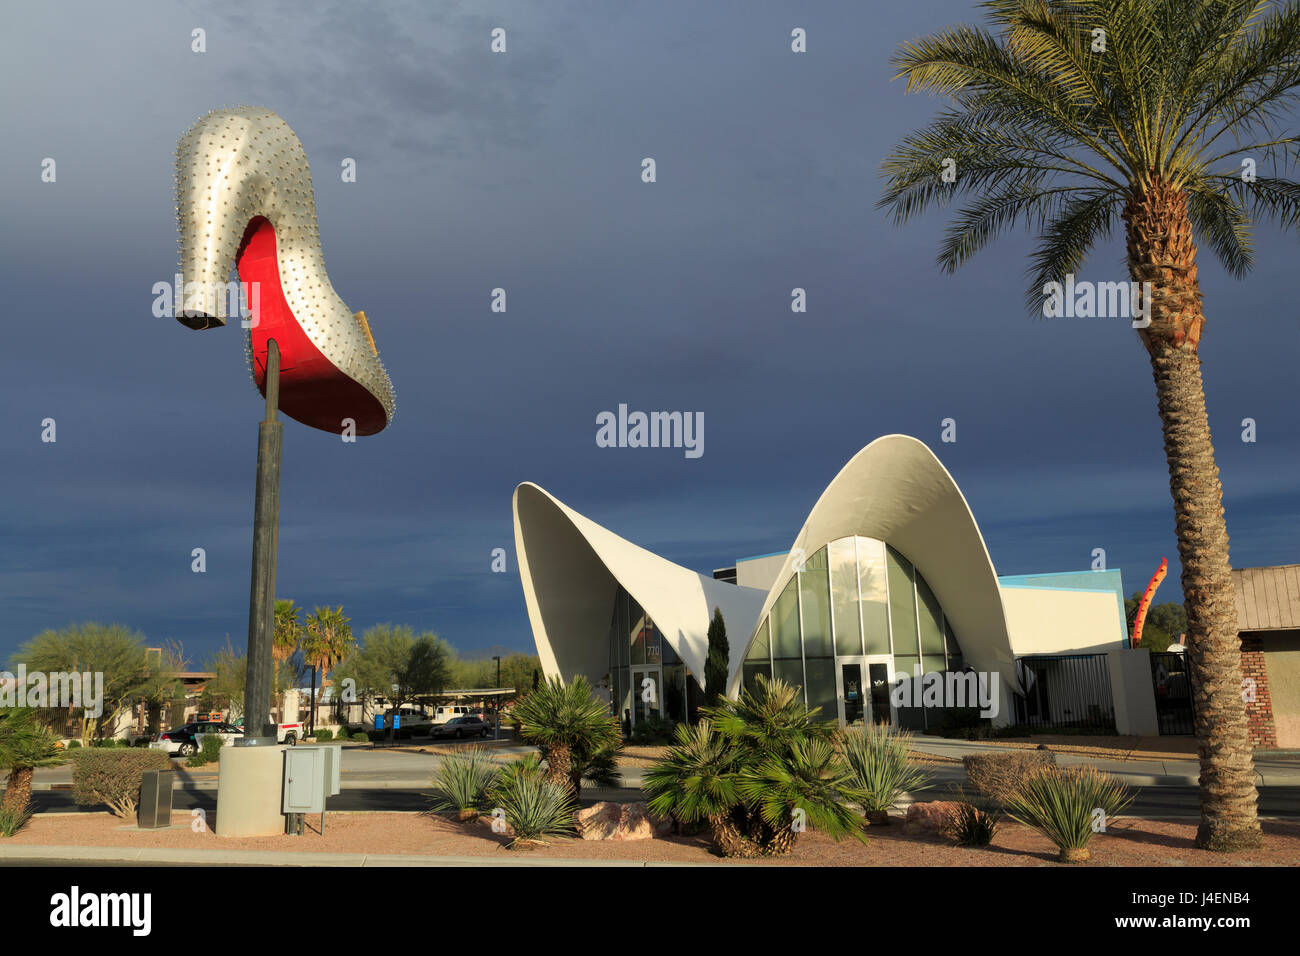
x,y
1270,771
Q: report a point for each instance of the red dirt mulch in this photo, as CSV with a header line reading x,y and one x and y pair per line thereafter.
x,y
1129,843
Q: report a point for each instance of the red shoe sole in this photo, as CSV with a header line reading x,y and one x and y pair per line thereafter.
x,y
313,390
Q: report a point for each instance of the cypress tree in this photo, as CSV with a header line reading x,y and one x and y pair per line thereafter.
x,y
715,667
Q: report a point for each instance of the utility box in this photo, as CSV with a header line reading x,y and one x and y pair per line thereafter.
x,y
155,810
310,775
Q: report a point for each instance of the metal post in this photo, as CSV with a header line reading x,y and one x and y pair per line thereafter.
x,y
258,729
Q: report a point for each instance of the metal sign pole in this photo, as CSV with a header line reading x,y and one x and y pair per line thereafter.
x,y
258,729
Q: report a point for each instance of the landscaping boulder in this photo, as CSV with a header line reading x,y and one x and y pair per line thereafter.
x,y
928,817
619,821
487,821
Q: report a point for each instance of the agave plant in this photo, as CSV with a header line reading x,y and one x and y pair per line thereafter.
x,y
758,770
1067,804
462,782
882,769
533,806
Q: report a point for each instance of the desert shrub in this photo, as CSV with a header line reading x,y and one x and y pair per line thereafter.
x,y
361,735
462,782
208,752
966,723
653,730
113,778
13,819
74,745
323,735
969,825
1067,805
881,769
534,807
999,775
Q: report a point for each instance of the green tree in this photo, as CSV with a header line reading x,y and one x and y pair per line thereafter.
x,y
1163,624
227,687
115,651
564,722
1075,118
391,662
718,662
25,744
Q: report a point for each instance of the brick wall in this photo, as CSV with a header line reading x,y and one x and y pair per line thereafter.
x,y
1259,712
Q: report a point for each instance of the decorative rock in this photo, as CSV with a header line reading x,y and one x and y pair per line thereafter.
x,y
619,821
929,817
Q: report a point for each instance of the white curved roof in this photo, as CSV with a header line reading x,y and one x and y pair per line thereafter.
x,y
897,491
570,567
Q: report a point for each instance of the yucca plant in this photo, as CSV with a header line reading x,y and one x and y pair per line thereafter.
x,y
560,719
463,781
882,768
758,770
534,807
13,818
1067,805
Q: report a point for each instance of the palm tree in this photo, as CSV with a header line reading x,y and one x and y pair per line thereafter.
x,y
560,720
1070,116
25,744
286,639
329,640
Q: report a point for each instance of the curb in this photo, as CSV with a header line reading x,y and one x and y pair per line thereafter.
x,y
74,854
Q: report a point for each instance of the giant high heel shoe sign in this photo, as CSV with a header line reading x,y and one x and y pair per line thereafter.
x,y
244,201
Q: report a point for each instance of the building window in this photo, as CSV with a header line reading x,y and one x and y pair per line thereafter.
x,y
854,597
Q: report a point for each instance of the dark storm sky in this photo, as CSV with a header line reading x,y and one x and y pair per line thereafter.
x,y
522,171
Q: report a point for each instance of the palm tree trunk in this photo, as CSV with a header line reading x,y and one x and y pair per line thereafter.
x,y
1161,251
18,793
559,765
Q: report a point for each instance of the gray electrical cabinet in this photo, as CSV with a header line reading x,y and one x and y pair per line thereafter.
x,y
311,774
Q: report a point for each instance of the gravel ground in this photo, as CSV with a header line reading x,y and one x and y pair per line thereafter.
x,y
1107,748
1132,843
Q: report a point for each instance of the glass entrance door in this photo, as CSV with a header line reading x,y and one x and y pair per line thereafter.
x,y
647,691
851,690
879,681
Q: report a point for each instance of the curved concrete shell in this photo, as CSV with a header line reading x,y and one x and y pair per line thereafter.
x,y
570,567
897,491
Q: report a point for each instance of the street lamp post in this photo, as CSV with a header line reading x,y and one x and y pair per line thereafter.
x,y
497,733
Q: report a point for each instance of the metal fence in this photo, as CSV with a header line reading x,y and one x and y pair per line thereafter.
x,y
1065,691
1172,686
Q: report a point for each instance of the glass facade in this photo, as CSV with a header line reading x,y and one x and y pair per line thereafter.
x,y
849,624
646,678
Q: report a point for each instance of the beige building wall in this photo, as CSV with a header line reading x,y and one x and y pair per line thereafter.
x,y
1282,664
1057,621
759,572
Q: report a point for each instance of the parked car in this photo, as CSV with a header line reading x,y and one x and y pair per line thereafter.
x,y
184,741
288,734
460,727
